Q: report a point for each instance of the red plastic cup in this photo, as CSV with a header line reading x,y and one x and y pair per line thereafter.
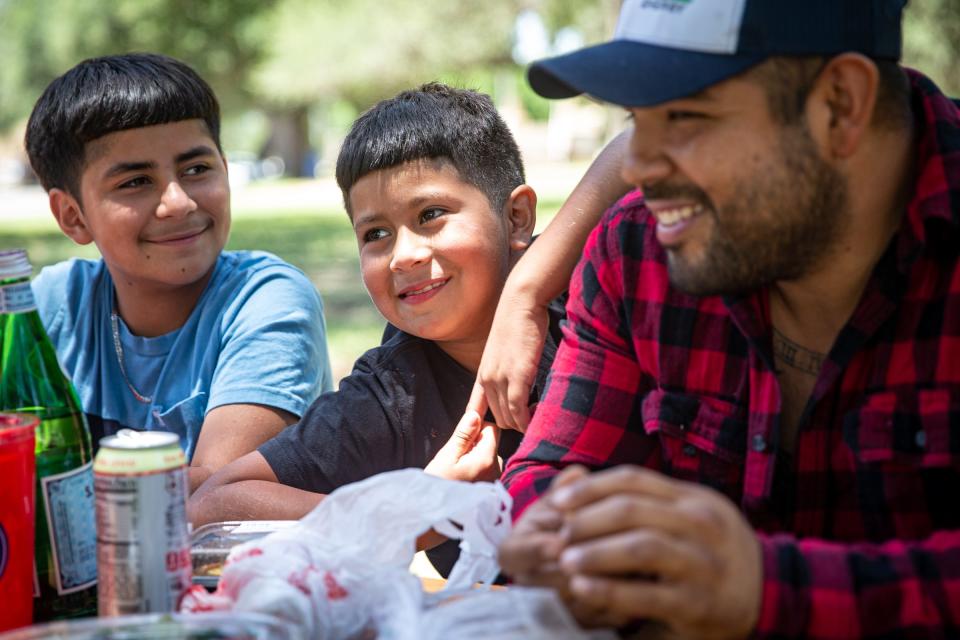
x,y
16,519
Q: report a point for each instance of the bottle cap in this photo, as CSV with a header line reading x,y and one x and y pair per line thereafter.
x,y
14,263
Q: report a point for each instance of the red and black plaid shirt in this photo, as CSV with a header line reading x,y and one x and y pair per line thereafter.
x,y
860,528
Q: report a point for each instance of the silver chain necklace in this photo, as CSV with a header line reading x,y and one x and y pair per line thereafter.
x,y
115,325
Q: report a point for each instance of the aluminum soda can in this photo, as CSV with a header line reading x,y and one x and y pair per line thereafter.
x,y
143,542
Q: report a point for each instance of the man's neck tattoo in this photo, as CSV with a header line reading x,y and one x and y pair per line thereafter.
x,y
797,356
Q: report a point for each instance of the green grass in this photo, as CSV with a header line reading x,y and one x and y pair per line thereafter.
x,y
321,243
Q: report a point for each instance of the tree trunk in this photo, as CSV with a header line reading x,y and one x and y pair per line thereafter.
x,y
289,140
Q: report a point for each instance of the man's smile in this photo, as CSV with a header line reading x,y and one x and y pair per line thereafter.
x,y
673,219
674,215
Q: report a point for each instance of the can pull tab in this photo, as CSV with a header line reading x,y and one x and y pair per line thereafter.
x,y
136,439
128,435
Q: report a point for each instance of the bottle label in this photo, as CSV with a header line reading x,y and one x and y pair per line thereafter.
x,y
17,298
71,523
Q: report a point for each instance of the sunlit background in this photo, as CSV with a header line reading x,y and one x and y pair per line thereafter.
x,y
293,74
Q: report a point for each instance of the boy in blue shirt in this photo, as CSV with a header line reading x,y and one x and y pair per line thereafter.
x,y
166,331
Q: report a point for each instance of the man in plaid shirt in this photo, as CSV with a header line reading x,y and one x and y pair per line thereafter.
x,y
770,334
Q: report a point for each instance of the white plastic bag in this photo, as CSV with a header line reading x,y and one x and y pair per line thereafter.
x,y
342,571
512,614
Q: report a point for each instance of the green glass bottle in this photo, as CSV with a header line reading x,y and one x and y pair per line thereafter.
x,y
32,381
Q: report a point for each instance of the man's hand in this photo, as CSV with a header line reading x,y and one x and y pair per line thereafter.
x,y
531,553
649,547
471,452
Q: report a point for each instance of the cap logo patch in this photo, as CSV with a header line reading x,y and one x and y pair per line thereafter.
x,y
673,6
709,26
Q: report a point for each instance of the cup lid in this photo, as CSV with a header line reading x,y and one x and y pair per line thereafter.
x,y
15,426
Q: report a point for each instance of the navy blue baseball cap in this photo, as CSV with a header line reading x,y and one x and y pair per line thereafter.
x,y
667,49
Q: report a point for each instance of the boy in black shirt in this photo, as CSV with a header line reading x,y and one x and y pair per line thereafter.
x,y
434,185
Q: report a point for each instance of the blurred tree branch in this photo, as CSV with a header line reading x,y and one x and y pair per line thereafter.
x,y
40,39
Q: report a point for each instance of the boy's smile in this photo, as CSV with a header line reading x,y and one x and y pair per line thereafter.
x,y
156,202
415,294
180,237
433,254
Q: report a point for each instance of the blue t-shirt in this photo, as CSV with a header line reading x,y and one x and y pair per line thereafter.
x,y
256,336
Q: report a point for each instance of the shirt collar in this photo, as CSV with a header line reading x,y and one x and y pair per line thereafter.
x,y
937,120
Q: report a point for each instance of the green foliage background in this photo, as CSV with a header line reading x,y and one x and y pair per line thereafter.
x,y
324,61
330,59
274,54
932,41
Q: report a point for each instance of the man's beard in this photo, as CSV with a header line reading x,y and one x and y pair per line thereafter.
x,y
781,224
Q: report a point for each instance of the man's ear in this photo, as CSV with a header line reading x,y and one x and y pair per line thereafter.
x,y
841,103
69,215
521,214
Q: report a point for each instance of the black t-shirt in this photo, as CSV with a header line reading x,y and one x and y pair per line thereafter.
x,y
395,410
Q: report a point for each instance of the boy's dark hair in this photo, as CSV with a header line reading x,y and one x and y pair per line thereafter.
x,y
108,94
434,121
788,82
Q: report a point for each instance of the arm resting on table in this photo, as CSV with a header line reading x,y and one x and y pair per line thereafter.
x,y
247,489
231,431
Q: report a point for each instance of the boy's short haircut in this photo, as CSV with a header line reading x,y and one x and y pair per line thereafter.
x,y
434,121
104,95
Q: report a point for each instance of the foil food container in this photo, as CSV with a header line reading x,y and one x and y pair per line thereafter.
x,y
211,543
